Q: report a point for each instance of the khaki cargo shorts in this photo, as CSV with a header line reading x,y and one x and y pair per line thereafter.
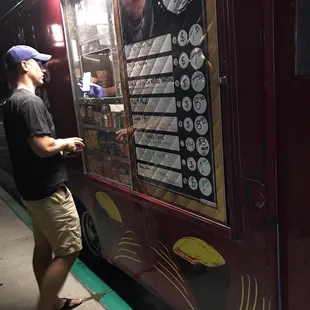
x,y
56,222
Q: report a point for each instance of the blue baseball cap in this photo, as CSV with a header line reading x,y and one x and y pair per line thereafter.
x,y
16,54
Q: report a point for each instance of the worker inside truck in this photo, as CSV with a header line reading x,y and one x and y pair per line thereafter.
x,y
101,83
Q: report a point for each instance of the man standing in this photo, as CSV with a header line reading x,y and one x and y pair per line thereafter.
x,y
40,176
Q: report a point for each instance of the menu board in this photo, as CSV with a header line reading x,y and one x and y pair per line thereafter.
x,y
167,78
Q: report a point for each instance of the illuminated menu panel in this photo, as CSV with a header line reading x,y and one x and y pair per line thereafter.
x,y
168,85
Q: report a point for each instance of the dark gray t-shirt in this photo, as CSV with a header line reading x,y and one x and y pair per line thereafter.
x,y
25,116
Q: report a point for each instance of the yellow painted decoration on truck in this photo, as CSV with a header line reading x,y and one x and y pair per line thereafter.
x,y
107,204
197,251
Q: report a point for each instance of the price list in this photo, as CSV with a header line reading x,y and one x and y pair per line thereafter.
x,y
168,86
193,111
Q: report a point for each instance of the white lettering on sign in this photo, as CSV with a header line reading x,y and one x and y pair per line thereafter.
x,y
160,123
160,141
149,47
160,174
153,105
150,67
158,85
159,157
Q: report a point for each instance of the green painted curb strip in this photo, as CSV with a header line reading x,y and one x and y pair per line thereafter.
x,y
16,207
85,276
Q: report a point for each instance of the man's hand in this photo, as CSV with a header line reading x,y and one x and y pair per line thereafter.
x,y
73,144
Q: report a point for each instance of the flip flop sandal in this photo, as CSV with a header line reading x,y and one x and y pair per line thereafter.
x,y
68,306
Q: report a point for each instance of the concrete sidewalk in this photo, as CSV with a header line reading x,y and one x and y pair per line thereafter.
x,y
18,289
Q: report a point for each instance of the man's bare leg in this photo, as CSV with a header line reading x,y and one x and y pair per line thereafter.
x,y
42,258
53,281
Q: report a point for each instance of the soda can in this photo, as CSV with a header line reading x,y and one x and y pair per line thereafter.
x,y
105,122
114,120
124,119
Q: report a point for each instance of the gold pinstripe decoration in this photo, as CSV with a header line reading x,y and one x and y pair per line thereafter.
x,y
249,295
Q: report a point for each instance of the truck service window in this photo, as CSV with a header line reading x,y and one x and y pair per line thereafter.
x,y
100,108
170,103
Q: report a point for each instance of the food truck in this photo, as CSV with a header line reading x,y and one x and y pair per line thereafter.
x,y
194,176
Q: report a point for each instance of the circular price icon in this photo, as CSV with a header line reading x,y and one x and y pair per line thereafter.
x,y
197,58
191,164
186,104
190,144
185,82
201,125
198,81
204,166
205,186
192,182
200,104
195,34
183,60
182,38
202,146
188,124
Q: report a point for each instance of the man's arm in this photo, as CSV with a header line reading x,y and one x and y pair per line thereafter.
x,y
45,146
34,116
